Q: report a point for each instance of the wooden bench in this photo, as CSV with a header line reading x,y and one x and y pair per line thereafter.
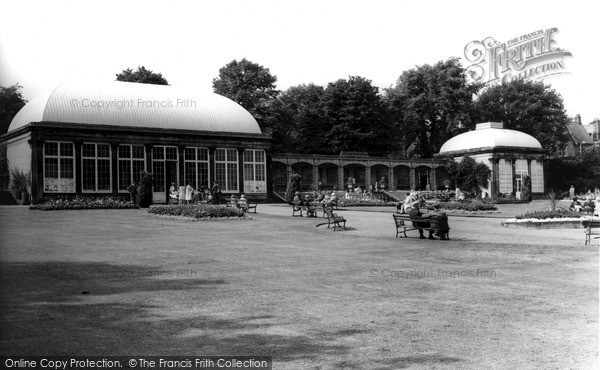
x,y
246,206
590,225
299,207
404,223
333,219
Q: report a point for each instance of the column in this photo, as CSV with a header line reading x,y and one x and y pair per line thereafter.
x,y
367,177
411,178
241,187
391,185
495,180
341,181
181,165
37,170
432,179
114,153
211,167
315,177
148,157
77,170
513,174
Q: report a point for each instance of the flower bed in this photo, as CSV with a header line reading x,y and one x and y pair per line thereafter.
x,y
79,202
197,212
548,223
559,213
474,205
366,202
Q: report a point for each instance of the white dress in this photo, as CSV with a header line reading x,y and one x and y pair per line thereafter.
x,y
189,190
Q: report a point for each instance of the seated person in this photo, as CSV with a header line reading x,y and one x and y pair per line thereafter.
x,y
437,214
412,209
173,195
575,205
233,200
297,198
588,205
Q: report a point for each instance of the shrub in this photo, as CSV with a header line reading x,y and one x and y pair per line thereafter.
x,y
473,205
19,183
557,213
196,211
79,202
359,201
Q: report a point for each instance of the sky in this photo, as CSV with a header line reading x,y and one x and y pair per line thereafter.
x,y
43,43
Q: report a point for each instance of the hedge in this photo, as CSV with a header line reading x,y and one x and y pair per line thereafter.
x,y
201,211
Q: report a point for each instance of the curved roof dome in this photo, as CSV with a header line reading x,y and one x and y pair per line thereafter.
x,y
137,105
489,135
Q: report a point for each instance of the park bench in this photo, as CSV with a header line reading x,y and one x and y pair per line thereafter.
x,y
310,209
242,204
333,219
404,223
592,227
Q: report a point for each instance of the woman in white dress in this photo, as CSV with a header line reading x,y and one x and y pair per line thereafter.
x,y
189,193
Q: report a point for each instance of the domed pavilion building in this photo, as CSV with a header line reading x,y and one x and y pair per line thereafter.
x,y
96,139
510,154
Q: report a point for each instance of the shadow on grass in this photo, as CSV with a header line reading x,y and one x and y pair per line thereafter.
x,y
58,308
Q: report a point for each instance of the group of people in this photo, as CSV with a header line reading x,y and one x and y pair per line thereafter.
x,y
412,206
590,205
189,195
325,198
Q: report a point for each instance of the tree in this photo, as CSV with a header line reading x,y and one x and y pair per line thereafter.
x,y
306,123
468,174
142,75
355,117
11,101
250,85
293,186
431,104
530,107
144,192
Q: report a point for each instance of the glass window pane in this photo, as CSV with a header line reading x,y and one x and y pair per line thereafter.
x,y
202,154
104,150
248,172
51,167
50,148
88,150
158,152
66,168
248,156
171,153
88,174
66,149
138,151
124,151
103,174
220,155
190,154
124,174
232,155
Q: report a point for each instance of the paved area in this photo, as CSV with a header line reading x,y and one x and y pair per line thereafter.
x,y
310,297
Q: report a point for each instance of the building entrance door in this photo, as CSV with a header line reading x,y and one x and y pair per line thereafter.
x,y
164,169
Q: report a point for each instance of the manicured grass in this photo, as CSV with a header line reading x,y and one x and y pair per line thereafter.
x,y
310,297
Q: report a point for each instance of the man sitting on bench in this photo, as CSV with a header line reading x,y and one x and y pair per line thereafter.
x,y
412,204
442,220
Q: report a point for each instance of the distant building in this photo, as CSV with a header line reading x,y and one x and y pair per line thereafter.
x,y
593,129
96,139
510,154
579,139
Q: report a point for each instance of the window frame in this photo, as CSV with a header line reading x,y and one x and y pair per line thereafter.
x,y
58,158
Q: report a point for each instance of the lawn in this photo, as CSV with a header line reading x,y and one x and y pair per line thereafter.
x,y
122,282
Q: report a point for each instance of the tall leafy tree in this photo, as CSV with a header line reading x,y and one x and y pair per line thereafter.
x,y
250,85
526,106
307,124
431,104
11,101
355,115
142,75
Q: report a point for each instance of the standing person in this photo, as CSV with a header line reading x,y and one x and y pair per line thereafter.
x,y
572,192
216,192
133,192
173,194
189,192
181,194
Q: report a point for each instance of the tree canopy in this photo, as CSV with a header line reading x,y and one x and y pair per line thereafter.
x,y
142,75
530,107
11,101
250,85
431,104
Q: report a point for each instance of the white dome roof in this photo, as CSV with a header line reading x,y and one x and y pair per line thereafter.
x,y
137,105
489,135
